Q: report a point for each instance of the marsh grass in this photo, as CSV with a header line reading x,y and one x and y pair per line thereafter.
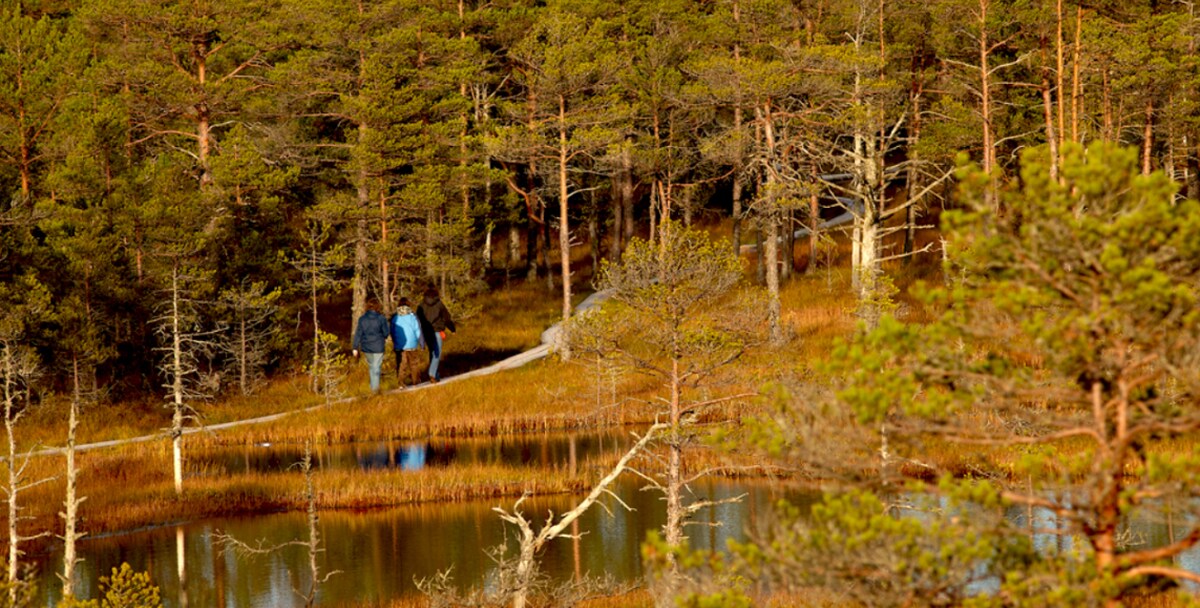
x,y
135,489
815,598
130,486
641,598
510,321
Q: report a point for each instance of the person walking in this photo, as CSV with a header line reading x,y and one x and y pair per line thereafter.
x,y
370,337
435,320
406,339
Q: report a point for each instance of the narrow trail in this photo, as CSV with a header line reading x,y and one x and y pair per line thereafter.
x,y
844,218
548,338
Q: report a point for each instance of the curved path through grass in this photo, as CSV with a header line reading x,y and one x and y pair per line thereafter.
x,y
549,336
538,352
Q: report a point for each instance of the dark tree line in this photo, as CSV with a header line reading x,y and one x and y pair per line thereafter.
x,y
168,160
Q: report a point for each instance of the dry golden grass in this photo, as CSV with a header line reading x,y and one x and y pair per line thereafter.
x,y
510,321
814,599
1157,600
133,488
542,395
130,486
634,599
547,394
641,598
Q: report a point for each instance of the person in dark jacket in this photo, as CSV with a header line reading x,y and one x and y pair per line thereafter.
x,y
406,339
370,336
435,321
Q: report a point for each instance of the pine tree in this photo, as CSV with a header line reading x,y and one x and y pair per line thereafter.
x,y
1072,327
564,66
186,69
673,315
41,60
380,95
253,188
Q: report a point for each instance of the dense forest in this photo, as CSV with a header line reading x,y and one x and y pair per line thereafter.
x,y
206,172
203,194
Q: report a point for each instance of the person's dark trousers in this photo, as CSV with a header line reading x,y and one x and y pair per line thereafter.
x,y
435,356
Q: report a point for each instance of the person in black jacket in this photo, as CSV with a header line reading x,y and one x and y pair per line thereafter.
x,y
435,320
370,336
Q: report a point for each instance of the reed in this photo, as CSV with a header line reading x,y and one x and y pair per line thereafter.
x,y
509,321
132,487
129,486
818,308
640,598
122,495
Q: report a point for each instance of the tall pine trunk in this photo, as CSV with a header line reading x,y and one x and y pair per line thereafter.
x,y
615,208
358,284
564,232
1075,82
1148,137
625,214
913,175
771,257
1052,136
384,268
985,91
203,127
771,221
814,214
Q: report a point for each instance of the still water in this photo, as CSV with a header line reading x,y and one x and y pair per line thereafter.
x,y
379,553
541,450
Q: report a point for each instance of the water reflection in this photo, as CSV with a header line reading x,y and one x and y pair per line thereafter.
x,y
542,450
381,552
181,566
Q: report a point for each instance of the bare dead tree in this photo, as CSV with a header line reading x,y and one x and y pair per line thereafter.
x,y
71,502
179,326
86,349
312,544
675,315
317,265
519,579
19,368
250,308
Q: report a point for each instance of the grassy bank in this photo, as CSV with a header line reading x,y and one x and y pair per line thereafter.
x,y
509,321
130,486
642,599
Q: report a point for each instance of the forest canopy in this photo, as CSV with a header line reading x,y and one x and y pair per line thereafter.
x,y
224,152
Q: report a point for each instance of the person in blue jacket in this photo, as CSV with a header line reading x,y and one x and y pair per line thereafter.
x,y
370,337
406,339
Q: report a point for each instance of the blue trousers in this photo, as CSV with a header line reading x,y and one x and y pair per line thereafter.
x,y
435,355
374,364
